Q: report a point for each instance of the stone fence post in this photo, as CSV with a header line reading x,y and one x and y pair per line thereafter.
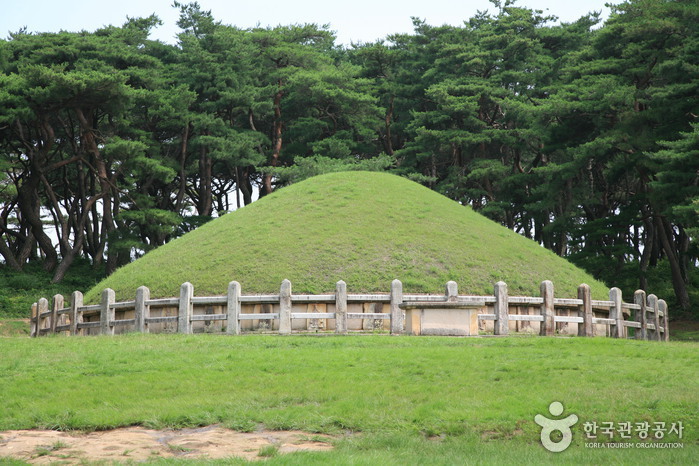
x,y
341,307
665,322
639,298
233,309
76,316
616,312
34,322
141,309
655,320
452,291
396,312
586,329
548,325
56,305
107,312
501,325
285,308
42,308
185,309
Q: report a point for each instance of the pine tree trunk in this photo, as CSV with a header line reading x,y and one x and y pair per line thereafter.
x,y
205,179
388,142
9,257
182,170
277,149
30,207
678,284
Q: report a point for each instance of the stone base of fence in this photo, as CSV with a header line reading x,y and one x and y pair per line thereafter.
x,y
342,312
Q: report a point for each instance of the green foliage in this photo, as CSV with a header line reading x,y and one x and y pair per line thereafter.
x,y
677,186
689,331
308,167
580,136
19,290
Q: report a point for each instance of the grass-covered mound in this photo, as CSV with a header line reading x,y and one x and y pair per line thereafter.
x,y
361,227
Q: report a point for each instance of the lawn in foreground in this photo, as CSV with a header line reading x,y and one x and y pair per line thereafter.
x,y
403,399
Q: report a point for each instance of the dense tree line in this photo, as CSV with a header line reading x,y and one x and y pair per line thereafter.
x,y
581,136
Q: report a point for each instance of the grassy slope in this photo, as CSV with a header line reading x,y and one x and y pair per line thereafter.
x,y
14,327
412,400
18,290
363,228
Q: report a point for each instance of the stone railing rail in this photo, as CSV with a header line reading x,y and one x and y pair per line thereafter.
x,y
341,311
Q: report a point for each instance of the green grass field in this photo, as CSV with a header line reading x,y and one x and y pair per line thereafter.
x,y
391,400
364,228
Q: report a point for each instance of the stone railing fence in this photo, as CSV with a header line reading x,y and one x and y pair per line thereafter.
x,y
343,312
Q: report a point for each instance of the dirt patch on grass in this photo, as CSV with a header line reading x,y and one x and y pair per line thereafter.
x,y
134,444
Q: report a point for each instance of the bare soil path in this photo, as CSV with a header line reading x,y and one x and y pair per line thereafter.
x,y
138,444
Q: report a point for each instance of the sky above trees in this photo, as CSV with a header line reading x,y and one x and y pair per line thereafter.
x,y
356,21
